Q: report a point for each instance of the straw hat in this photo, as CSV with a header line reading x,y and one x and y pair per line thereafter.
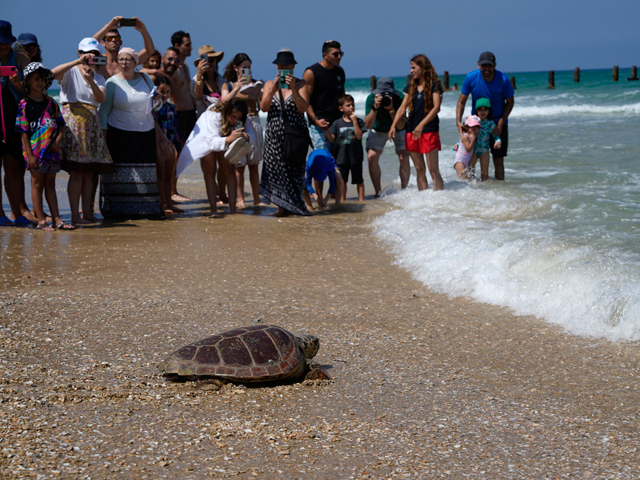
x,y
209,52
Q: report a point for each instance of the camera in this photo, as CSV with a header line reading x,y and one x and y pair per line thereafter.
x,y
387,98
97,60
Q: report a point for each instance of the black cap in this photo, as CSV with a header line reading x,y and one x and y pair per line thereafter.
x,y
285,57
487,58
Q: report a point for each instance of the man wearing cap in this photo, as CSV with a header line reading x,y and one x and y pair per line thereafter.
x,y
112,41
489,83
325,85
380,109
10,142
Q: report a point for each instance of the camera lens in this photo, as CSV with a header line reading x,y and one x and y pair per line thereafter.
x,y
386,101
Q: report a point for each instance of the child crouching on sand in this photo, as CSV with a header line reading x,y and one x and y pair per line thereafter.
x,y
41,127
320,166
470,131
485,136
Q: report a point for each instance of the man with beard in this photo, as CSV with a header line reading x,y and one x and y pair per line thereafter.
x,y
487,82
111,40
325,84
181,94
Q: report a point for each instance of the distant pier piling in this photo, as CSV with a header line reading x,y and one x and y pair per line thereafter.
x,y
373,82
552,80
616,70
634,74
576,75
445,81
513,82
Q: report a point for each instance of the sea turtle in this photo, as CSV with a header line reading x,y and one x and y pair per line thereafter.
x,y
259,353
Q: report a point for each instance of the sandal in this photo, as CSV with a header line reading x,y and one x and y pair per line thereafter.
x,y
64,226
45,227
6,222
22,221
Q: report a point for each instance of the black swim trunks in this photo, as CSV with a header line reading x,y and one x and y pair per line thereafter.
x,y
186,121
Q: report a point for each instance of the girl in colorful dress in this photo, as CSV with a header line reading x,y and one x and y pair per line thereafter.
x,y
41,129
485,136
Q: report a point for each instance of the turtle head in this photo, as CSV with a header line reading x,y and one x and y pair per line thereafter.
x,y
309,345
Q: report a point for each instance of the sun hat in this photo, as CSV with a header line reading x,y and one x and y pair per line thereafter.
x,y
483,102
130,51
5,32
472,121
209,52
285,57
27,39
384,84
32,68
90,44
487,58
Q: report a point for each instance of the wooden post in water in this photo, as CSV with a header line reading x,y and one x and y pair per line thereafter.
x,y
445,81
576,75
373,82
513,82
552,80
615,73
634,74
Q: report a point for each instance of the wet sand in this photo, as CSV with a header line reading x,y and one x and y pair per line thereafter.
x,y
423,385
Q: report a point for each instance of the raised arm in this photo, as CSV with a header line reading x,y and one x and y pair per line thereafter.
x,y
113,24
149,47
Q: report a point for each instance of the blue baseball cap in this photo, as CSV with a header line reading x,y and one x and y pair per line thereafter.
x,y
5,32
27,39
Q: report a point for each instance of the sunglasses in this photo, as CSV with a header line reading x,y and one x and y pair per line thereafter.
x,y
112,38
338,54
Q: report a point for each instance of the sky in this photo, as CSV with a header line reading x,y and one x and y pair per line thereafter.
x,y
378,38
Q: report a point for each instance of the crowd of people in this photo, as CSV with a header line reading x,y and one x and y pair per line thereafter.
x,y
130,122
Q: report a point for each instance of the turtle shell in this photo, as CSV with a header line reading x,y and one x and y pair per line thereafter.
x,y
249,354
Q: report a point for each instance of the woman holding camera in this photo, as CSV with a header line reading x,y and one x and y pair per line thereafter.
x,y
380,110
132,190
286,100
82,90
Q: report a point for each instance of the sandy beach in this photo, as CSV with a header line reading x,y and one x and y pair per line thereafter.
x,y
423,385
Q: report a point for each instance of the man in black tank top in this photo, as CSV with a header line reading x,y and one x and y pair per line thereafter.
x,y
325,84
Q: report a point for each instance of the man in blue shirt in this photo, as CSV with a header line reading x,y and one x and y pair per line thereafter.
x,y
492,84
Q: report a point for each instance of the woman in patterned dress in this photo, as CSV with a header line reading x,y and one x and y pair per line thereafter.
x,y
283,182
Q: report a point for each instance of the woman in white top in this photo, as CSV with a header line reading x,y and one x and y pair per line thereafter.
x,y
82,90
132,191
216,129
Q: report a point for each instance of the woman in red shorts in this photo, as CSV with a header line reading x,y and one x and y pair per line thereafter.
x,y
423,100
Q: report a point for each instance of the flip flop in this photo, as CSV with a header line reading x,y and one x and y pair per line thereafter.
x,y
6,222
22,221
45,227
64,226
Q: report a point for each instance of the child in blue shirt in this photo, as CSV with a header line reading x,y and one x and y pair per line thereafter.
x,y
321,165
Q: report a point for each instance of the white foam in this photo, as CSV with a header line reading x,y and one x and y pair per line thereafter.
x,y
497,247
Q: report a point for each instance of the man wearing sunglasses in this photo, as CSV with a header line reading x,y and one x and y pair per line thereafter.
x,y
111,40
325,84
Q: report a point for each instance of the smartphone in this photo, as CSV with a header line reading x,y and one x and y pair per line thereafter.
x,y
245,73
128,22
97,60
9,71
204,58
283,75
238,126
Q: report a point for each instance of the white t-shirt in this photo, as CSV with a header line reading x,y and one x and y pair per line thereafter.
x,y
74,88
126,104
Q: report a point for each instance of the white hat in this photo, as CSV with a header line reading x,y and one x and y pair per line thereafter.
x,y
90,44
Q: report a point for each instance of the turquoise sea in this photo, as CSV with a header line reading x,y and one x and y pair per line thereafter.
x,y
560,238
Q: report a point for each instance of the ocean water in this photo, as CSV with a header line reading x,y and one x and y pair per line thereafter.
x,y
560,238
